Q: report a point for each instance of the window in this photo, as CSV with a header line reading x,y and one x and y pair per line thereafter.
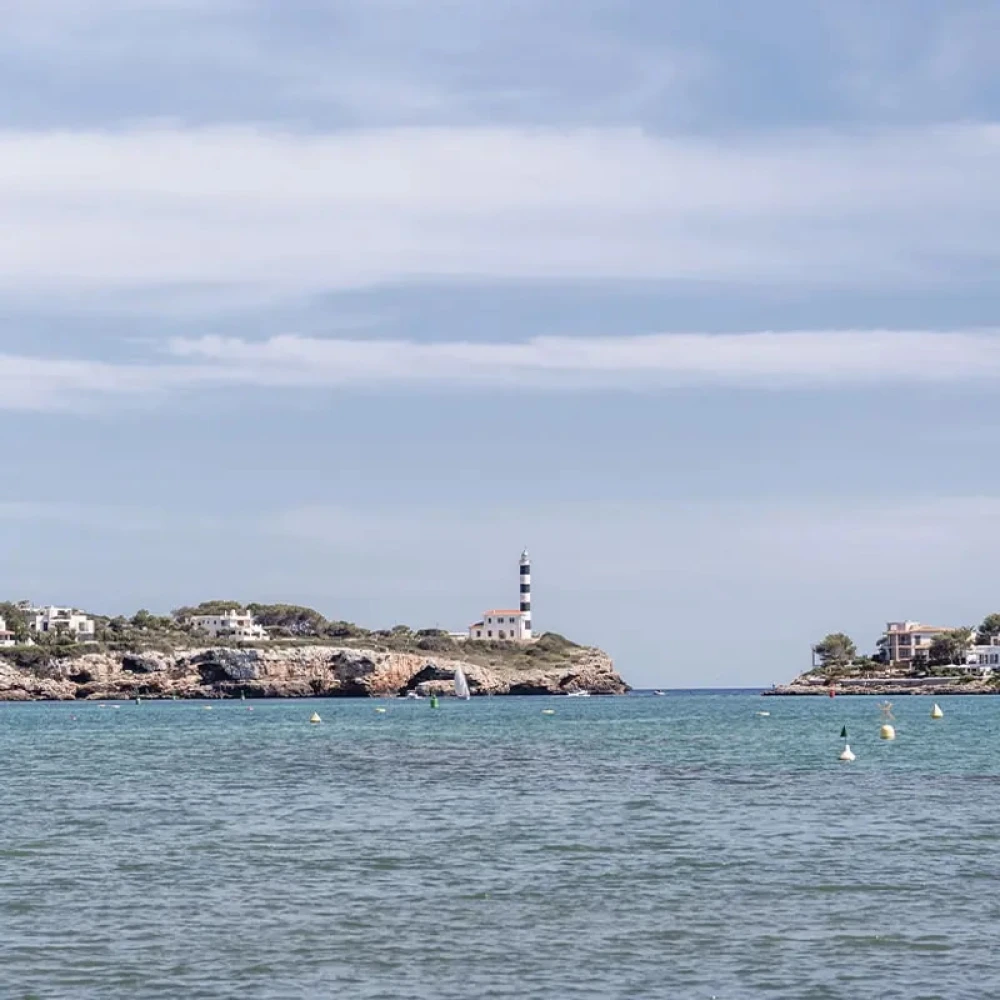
x,y
510,621
501,634
489,634
479,633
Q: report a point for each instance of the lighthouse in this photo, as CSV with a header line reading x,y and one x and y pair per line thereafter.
x,y
525,573
508,624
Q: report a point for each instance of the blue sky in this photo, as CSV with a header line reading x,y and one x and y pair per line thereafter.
x,y
344,303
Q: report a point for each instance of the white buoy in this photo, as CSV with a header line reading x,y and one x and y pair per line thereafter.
x,y
315,717
548,711
887,732
936,712
381,711
847,754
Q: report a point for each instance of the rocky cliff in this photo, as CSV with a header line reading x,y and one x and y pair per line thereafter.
x,y
292,672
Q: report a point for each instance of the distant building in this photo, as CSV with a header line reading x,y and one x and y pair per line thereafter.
x,y
229,625
66,621
505,625
908,641
6,637
984,658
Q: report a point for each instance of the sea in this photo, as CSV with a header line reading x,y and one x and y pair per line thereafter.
x,y
696,845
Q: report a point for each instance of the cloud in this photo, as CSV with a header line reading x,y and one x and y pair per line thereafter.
x,y
659,360
656,362
282,210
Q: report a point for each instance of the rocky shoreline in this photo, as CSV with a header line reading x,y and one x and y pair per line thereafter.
x,y
293,672
894,686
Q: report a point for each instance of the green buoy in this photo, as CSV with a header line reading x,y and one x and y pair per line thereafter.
x,y
434,701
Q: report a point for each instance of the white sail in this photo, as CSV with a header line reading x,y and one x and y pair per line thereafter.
x,y
461,684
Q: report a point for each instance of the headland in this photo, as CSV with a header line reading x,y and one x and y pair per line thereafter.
x,y
295,653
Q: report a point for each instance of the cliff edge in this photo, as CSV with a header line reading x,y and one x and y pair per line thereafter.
x,y
277,671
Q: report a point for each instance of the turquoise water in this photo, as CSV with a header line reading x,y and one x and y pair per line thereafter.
x,y
622,848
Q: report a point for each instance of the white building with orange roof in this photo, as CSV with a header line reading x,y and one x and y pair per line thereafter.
x,y
508,624
907,641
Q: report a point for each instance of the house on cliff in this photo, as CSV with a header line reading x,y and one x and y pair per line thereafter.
x,y
6,636
51,619
230,624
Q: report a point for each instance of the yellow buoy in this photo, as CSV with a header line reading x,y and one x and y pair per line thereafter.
x,y
887,732
315,717
848,754
936,712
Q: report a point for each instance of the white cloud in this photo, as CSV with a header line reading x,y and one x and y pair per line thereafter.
x,y
651,362
816,357
157,206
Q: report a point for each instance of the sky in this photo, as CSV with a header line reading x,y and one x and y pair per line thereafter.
x,y
344,303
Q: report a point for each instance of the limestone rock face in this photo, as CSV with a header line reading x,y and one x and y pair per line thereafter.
x,y
293,672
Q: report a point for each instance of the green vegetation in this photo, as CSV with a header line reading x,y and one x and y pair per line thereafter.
x,y
989,629
17,621
287,625
950,648
836,651
838,656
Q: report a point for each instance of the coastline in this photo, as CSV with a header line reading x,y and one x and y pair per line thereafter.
x,y
881,686
297,671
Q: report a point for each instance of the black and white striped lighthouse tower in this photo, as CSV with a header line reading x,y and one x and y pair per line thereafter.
x,y
525,595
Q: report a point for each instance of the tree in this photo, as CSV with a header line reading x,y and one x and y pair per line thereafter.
x,y
836,650
950,647
209,608
16,619
989,629
293,618
143,619
881,654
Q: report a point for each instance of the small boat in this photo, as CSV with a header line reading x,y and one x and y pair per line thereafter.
x,y
577,694
415,695
461,685
659,692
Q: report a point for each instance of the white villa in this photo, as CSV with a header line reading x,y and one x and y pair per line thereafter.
x,y
230,625
500,624
505,624
984,658
6,637
53,619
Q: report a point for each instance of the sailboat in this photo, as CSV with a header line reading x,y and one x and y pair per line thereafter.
x,y
461,684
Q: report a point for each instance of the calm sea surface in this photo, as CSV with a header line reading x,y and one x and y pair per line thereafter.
x,y
674,847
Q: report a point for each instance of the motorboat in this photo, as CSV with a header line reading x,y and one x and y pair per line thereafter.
x,y
577,694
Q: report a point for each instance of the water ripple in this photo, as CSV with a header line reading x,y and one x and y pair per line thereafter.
x,y
624,848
